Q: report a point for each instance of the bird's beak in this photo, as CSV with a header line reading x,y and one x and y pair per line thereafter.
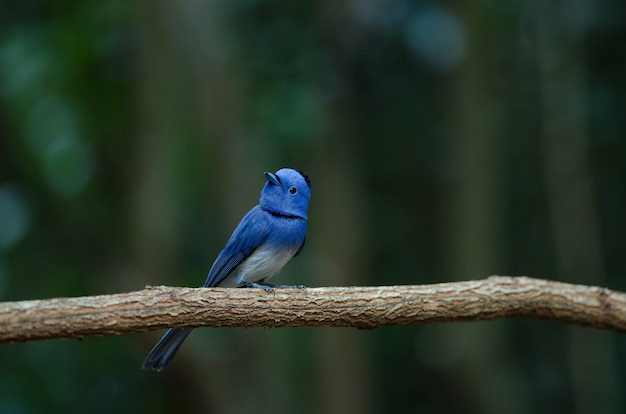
x,y
272,178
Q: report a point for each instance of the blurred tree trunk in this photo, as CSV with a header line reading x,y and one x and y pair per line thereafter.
x,y
560,54
188,100
344,376
152,222
345,373
476,129
214,100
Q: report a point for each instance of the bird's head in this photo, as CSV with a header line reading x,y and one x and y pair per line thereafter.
x,y
287,191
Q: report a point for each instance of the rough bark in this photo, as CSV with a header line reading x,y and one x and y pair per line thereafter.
x,y
359,307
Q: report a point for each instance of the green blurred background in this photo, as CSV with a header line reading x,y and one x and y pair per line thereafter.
x,y
446,141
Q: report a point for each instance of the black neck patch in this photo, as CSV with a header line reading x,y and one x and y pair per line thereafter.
x,y
284,215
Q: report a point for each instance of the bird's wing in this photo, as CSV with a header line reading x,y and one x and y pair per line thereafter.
x,y
301,246
249,234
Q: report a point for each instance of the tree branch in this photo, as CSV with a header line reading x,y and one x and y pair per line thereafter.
x,y
360,307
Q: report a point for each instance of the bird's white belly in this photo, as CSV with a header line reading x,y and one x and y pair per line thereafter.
x,y
262,264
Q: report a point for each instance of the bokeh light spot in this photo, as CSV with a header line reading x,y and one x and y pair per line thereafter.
x,y
437,37
14,216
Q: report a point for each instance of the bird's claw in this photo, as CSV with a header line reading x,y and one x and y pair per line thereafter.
x,y
269,287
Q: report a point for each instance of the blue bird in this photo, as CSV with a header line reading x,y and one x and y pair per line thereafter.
x,y
267,237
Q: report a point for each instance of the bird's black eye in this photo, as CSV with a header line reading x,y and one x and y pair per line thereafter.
x,y
293,190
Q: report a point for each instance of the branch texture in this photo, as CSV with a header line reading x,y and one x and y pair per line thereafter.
x,y
360,307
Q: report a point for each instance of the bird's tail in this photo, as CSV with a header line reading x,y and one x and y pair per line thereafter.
x,y
164,351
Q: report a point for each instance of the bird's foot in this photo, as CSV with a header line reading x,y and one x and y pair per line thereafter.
x,y
269,287
301,287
